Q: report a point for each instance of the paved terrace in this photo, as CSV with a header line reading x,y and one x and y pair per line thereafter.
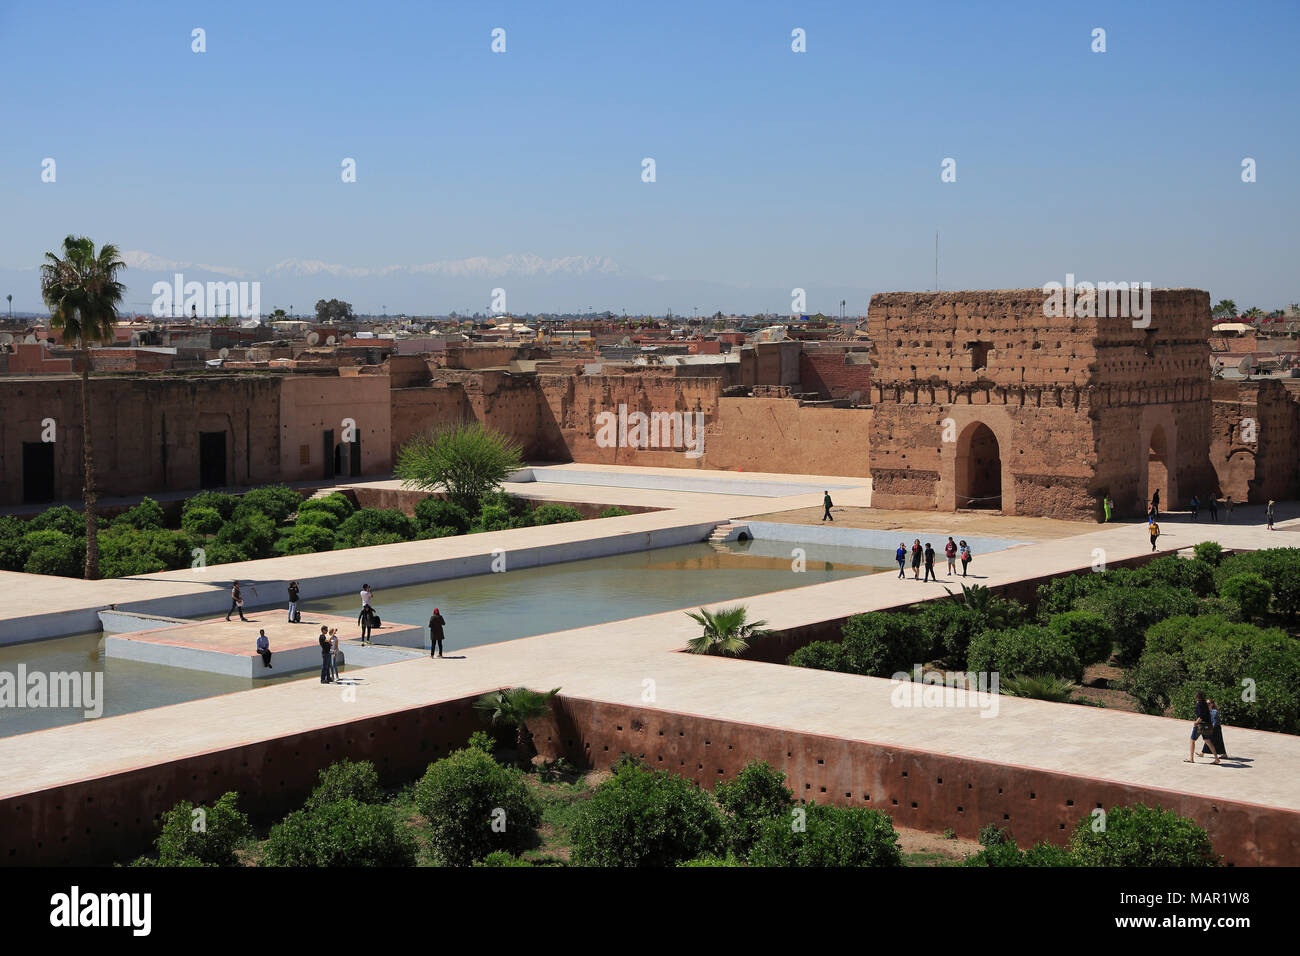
x,y
609,663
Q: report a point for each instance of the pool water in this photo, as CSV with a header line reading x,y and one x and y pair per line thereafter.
x,y
482,609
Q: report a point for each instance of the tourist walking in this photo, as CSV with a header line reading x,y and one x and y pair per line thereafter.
x,y
1227,508
436,623
950,549
901,557
929,562
325,662
1216,731
965,556
1202,728
1107,506
366,595
1196,508
826,504
236,602
293,602
1214,508
916,560
264,648
1153,529
1155,503
334,652
1268,513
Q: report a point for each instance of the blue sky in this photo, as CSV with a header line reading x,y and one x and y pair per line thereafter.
x,y
774,169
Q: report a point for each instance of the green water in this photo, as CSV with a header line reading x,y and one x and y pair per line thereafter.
x,y
479,610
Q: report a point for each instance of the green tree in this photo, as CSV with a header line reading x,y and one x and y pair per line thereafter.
x,y
83,291
1226,309
341,833
515,707
208,836
829,836
347,779
1141,836
463,795
1251,592
726,631
754,795
464,461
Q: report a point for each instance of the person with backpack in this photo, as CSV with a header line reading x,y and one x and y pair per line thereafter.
x,y
901,557
1196,508
1153,529
436,623
367,622
965,556
929,562
293,602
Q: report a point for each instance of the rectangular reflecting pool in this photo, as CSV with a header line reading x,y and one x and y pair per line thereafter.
x,y
483,609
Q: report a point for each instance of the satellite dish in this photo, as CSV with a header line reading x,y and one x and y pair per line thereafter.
x,y
224,353
329,340
312,338
6,338
1246,365
29,339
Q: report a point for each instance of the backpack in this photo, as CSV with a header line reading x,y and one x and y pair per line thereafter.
x,y
965,555
297,616
374,618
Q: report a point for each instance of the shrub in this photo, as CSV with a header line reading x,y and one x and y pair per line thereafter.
x,y
754,795
434,512
640,817
465,461
207,836
304,539
1176,572
342,833
820,656
1088,633
502,858
125,550
614,511
1025,650
880,644
318,518
1211,552
556,514
53,552
335,503
712,861
59,518
461,796
13,553
1280,567
949,625
991,834
277,502
224,554
363,527
831,836
1155,679
1008,854
494,517
1250,592
1221,607
1064,593
147,514
481,740
347,780
1130,611
219,501
1142,836
201,522
1037,687
253,534
369,539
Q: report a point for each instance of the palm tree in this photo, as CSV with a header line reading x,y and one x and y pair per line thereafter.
x,y
516,707
1226,309
726,631
83,293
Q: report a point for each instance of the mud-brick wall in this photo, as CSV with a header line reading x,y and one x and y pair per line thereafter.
x,y
1255,440
115,818
918,789
419,410
779,435
835,373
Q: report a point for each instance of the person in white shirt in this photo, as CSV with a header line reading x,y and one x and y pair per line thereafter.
x,y
366,595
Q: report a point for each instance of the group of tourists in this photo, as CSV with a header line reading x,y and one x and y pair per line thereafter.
x,y
925,556
1209,728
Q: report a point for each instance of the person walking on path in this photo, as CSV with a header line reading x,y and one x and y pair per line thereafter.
x,y
334,652
1202,728
1196,508
293,602
236,603
1216,731
1268,513
366,595
929,562
965,556
1214,508
1153,529
367,623
324,641
901,557
1227,508
916,560
435,632
264,648
1107,506
826,503
1155,503
950,550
